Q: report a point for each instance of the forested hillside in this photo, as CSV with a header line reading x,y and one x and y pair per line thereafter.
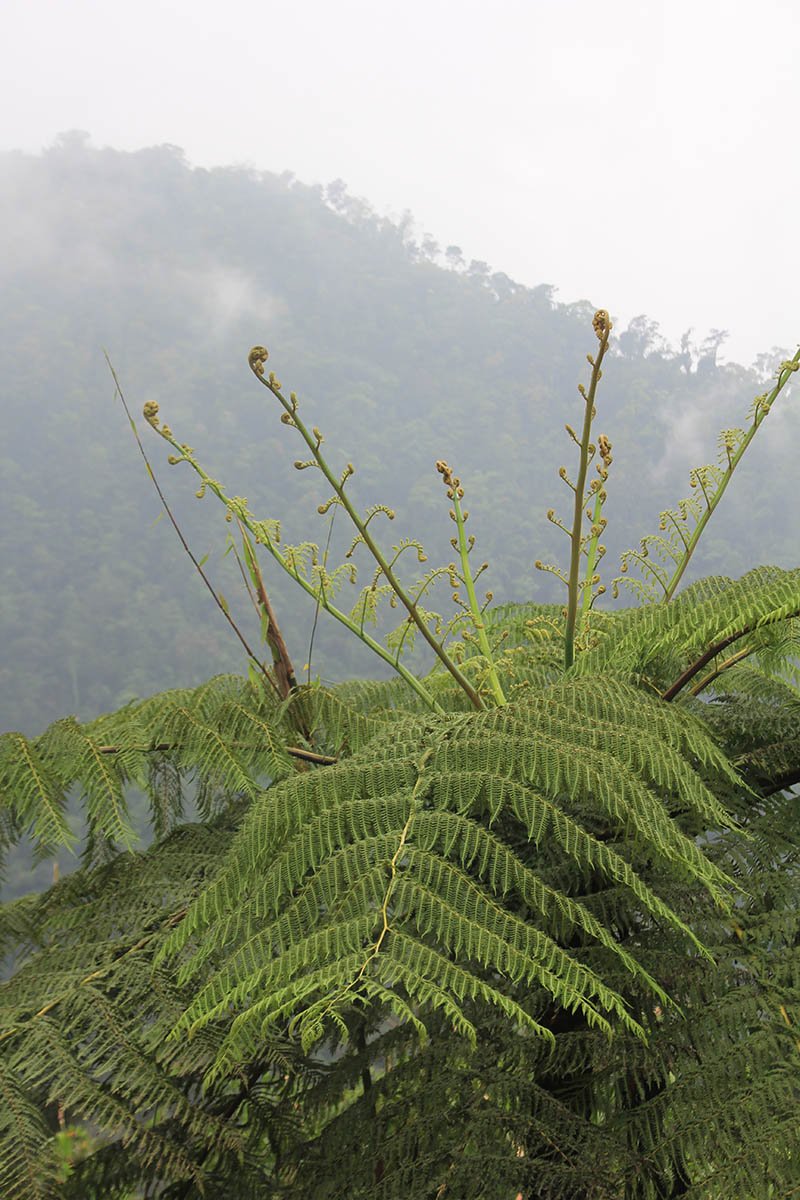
x,y
404,351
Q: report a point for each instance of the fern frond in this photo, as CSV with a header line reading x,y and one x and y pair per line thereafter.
x,y
703,620
353,883
225,736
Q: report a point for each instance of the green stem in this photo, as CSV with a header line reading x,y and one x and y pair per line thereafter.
x,y
318,595
591,560
477,616
761,412
360,525
577,521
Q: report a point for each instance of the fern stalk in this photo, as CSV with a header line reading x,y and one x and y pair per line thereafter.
x,y
594,553
712,675
455,493
602,327
717,647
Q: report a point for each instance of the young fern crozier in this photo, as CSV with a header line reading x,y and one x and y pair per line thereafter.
x,y
662,560
303,564
587,502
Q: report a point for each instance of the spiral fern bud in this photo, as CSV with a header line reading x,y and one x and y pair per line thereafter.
x,y
256,358
149,411
445,472
601,324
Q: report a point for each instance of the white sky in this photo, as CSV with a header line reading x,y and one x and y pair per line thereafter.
x,y
641,154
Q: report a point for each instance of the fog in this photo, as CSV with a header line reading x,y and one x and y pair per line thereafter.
x,y
639,156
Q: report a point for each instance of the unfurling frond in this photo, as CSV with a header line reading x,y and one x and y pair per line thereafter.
x,y
662,560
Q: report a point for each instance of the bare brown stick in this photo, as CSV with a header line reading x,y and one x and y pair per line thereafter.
x,y
712,675
284,670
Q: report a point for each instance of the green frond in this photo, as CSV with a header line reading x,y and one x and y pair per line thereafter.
x,y
83,1024
225,737
33,794
28,1163
714,612
354,877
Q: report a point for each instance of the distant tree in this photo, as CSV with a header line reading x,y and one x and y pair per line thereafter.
x,y
455,257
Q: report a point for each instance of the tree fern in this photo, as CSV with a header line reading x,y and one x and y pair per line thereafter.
x,y
505,928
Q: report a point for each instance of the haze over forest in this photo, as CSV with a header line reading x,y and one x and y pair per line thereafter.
x,y
400,350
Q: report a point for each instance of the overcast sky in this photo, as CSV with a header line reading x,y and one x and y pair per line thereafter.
x,y
641,154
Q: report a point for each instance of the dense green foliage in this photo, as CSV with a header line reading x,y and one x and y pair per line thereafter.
x,y
548,872
524,926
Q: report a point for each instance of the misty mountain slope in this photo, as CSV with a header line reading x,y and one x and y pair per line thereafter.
x,y
177,272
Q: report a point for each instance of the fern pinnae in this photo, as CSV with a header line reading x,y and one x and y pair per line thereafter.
x,y
655,759
548,763
540,817
516,948
39,791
